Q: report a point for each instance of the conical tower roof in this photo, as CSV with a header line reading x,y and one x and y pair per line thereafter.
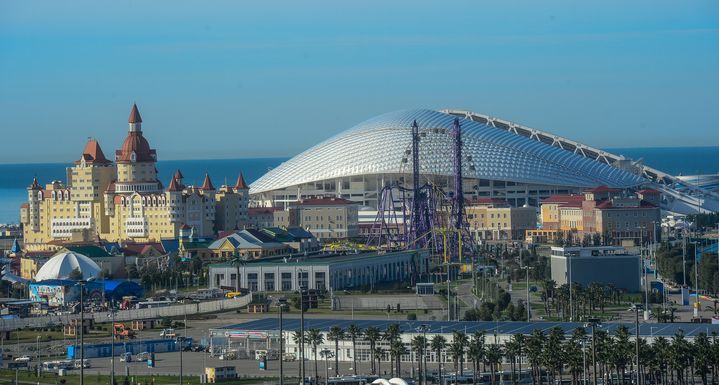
x,y
207,183
134,115
174,185
241,184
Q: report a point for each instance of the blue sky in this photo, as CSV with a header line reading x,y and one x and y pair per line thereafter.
x,y
252,79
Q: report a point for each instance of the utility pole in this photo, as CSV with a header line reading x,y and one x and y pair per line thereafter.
x,y
302,329
593,322
112,346
82,331
281,304
636,340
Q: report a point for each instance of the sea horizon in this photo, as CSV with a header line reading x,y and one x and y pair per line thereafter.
x,y
15,177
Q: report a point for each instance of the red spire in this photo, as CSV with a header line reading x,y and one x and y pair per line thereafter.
x,y
207,184
35,185
178,175
134,115
174,185
241,184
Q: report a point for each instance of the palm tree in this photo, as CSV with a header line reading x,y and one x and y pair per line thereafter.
x,y
372,335
437,345
237,261
510,351
354,332
459,342
397,349
662,350
476,352
418,345
315,338
535,351
553,352
379,353
573,350
336,334
494,358
392,334
297,337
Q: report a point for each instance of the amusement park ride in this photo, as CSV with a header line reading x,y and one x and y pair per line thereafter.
x,y
425,216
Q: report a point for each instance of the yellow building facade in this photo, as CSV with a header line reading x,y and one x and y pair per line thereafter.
x,y
124,200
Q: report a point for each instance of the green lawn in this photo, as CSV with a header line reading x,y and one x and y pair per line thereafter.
x,y
8,376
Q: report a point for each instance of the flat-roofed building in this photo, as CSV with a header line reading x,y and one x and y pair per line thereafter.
x,y
321,272
493,218
326,217
601,264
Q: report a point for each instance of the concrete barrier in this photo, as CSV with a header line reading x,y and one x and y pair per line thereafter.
x,y
129,315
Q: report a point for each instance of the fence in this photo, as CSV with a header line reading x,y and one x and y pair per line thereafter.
x,y
128,315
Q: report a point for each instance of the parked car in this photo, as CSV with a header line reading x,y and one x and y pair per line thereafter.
x,y
23,359
126,357
144,356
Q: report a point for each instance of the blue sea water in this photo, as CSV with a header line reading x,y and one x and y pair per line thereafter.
x,y
14,178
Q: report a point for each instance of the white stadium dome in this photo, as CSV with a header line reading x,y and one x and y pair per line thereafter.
x,y
63,264
499,159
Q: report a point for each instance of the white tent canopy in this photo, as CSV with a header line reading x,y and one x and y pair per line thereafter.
x,y
64,263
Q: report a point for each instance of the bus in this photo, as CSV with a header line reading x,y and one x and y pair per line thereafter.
x,y
153,304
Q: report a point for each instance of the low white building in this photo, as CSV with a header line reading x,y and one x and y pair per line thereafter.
x,y
321,272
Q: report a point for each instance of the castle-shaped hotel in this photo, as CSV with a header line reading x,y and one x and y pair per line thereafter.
x,y
124,200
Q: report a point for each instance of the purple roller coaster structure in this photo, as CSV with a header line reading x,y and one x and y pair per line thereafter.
x,y
425,216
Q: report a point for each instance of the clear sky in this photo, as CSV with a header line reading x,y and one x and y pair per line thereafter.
x,y
216,79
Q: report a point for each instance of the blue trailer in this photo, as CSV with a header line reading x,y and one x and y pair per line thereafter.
x,y
132,347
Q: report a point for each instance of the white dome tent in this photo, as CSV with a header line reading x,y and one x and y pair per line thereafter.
x,y
64,263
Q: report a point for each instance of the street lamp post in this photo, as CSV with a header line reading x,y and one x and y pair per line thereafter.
x,y
529,311
593,322
82,331
302,327
112,346
637,307
37,353
281,303
423,374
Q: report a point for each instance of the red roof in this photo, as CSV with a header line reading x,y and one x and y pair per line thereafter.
x,y
134,115
207,183
111,187
324,201
648,191
174,185
602,189
24,205
92,153
178,175
563,199
141,248
241,184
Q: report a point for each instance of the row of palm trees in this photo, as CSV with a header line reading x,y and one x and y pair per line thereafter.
x,y
550,356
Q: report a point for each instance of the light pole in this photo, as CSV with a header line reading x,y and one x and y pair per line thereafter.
x,y
529,311
181,342
584,357
82,283
112,345
593,322
637,307
281,303
423,374
37,353
302,326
